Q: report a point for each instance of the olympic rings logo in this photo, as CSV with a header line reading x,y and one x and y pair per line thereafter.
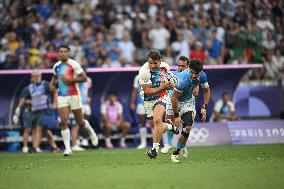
x,y
198,135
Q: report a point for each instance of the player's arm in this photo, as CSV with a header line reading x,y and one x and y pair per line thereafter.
x,y
195,91
133,98
82,77
207,95
53,84
174,100
150,91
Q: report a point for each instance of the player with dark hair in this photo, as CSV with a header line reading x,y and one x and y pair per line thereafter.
x,y
67,75
183,63
183,101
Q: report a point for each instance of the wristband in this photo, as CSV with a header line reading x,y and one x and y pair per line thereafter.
x,y
204,106
176,115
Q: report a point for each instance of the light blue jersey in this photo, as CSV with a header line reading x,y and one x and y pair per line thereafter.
x,y
186,84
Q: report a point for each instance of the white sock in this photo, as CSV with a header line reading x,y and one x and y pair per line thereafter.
x,y
143,135
122,140
156,146
107,139
88,128
66,138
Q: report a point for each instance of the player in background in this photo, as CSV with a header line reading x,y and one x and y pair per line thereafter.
x,y
151,78
67,75
137,104
183,63
183,102
86,108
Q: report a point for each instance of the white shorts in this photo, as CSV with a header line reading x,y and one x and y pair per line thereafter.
x,y
74,102
183,107
149,105
140,110
87,109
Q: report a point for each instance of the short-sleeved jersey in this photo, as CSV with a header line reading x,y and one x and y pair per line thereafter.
x,y
186,84
70,69
137,85
153,78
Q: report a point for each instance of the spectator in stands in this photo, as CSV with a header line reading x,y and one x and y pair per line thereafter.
x,y
112,118
224,110
159,37
198,52
215,49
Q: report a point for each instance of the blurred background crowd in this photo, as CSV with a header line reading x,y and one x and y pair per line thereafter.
x,y
118,33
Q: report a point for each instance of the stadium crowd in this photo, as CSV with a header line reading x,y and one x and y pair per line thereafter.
x,y
118,33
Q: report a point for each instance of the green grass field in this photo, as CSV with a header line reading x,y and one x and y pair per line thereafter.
x,y
258,166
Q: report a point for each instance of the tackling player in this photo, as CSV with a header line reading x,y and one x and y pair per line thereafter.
x,y
183,102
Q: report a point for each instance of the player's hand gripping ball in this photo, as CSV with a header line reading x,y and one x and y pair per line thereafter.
x,y
172,79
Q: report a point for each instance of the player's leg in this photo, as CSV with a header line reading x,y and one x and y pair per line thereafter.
x,y
107,127
38,135
124,127
143,130
187,119
76,107
63,113
26,135
169,142
74,138
82,132
158,130
51,141
27,124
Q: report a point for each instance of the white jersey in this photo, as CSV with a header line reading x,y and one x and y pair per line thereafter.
x,y
69,69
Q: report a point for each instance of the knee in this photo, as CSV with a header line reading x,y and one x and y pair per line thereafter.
x,y
80,122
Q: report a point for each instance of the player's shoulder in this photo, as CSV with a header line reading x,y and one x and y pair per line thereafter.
x,y
56,64
144,69
184,73
72,62
203,74
165,65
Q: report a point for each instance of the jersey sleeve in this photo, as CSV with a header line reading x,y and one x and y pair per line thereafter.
x,y
77,68
25,93
54,69
181,82
144,76
203,80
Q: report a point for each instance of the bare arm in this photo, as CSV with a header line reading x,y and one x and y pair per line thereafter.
x,y
174,100
82,77
133,98
150,91
195,91
206,101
